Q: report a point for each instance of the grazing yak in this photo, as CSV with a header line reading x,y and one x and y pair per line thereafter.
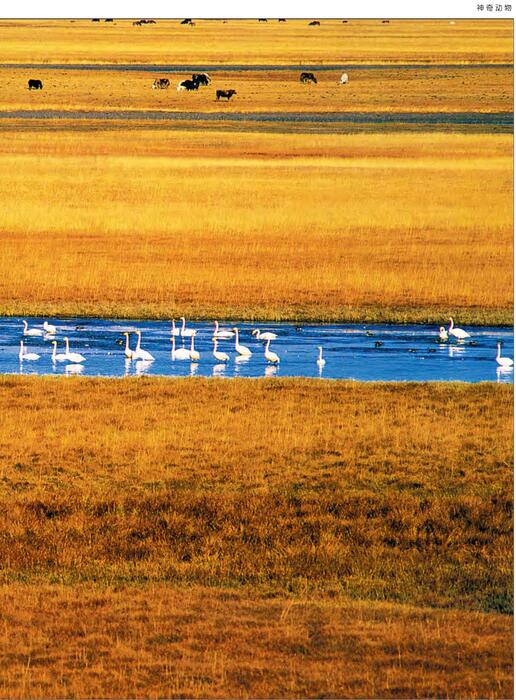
x,y
227,94
188,21
35,84
308,78
188,85
161,84
201,78
315,23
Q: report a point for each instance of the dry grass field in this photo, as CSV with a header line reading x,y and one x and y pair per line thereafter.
x,y
158,641
200,538
252,42
389,89
272,226
252,538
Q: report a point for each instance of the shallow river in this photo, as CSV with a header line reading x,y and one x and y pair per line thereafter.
x,y
352,351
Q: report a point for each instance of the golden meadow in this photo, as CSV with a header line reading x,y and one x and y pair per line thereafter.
x,y
193,538
255,538
363,227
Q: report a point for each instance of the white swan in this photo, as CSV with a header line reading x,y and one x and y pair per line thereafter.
x,y
181,353
186,332
457,332
23,355
270,356
503,361
320,361
241,349
267,335
174,331
443,333
220,356
221,334
60,357
31,331
128,352
72,357
49,328
140,354
194,355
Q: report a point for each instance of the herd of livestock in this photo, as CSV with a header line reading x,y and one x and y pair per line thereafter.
x,y
200,80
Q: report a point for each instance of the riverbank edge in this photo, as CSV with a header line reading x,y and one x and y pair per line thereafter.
x,y
352,314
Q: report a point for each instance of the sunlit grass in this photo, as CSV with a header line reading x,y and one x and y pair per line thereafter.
x,y
440,89
399,493
250,42
257,225
156,641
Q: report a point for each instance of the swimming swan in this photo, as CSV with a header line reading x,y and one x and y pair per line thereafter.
x,y
457,332
241,349
271,356
503,361
128,352
194,355
443,333
60,357
49,329
140,354
186,332
31,331
267,335
181,353
27,355
72,356
221,334
220,356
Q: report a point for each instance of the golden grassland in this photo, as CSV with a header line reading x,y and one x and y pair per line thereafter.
x,y
308,226
400,493
384,90
157,642
250,42
194,538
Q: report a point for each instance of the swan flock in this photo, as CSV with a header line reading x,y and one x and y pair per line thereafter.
x,y
221,339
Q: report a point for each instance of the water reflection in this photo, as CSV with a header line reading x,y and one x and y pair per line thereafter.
x,y
142,367
73,369
504,375
193,369
456,350
218,370
271,370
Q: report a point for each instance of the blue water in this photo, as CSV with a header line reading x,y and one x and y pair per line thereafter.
x,y
405,353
